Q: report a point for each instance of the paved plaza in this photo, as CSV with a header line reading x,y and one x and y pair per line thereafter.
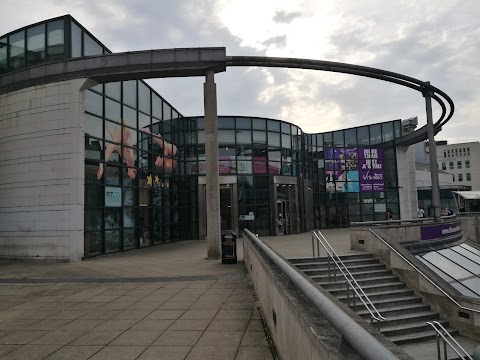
x,y
166,302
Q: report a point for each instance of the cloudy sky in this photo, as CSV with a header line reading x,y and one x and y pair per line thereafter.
x,y
436,41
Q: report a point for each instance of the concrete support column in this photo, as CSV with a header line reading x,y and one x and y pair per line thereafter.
x,y
211,157
432,147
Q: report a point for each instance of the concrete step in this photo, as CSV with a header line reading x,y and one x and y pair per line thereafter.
x,y
323,276
339,289
385,295
357,270
386,304
346,262
425,316
418,336
325,259
390,330
385,279
410,309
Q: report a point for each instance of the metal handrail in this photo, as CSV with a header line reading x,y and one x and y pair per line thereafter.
x,y
441,333
421,273
358,337
355,285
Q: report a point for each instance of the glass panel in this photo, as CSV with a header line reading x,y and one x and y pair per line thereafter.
x,y
226,136
130,117
244,123
244,167
76,40
93,218
447,266
90,46
464,250
244,137
226,123
463,290
286,128
143,121
338,138
113,90
286,141
167,111
143,98
319,139
130,93
36,45
387,130
259,124
17,50
112,240
273,125
3,55
375,134
259,137
350,137
55,40
156,106
471,249
472,284
363,136
93,103
93,126
273,139
129,217
113,110
461,260
94,242
129,238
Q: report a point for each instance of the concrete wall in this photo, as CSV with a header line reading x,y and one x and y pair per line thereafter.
x,y
362,239
42,172
471,227
407,191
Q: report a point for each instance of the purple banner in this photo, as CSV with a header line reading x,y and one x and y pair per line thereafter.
x,y
440,231
370,165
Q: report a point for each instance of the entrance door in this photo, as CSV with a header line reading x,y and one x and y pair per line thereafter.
x,y
228,208
226,213
283,217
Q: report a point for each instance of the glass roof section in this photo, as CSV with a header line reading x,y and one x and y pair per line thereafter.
x,y
458,265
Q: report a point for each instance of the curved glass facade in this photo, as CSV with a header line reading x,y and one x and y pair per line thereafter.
x,y
145,163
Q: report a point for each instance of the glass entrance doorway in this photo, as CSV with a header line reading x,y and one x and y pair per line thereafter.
x,y
283,216
228,207
226,203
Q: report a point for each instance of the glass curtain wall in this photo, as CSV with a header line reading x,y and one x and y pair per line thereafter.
x,y
253,150
50,40
354,174
135,195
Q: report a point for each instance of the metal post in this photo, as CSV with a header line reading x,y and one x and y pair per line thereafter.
x,y
445,349
313,246
432,147
439,356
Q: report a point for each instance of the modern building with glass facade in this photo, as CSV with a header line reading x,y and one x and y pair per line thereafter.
x,y
94,170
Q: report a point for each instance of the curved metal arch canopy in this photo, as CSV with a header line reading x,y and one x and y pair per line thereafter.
x,y
424,87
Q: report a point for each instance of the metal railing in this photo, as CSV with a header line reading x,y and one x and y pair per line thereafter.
x,y
421,273
447,339
375,316
403,221
358,337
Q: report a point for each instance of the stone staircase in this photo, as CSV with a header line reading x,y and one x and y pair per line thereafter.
x,y
405,312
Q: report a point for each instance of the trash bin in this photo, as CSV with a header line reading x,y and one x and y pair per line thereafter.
x,y
229,247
